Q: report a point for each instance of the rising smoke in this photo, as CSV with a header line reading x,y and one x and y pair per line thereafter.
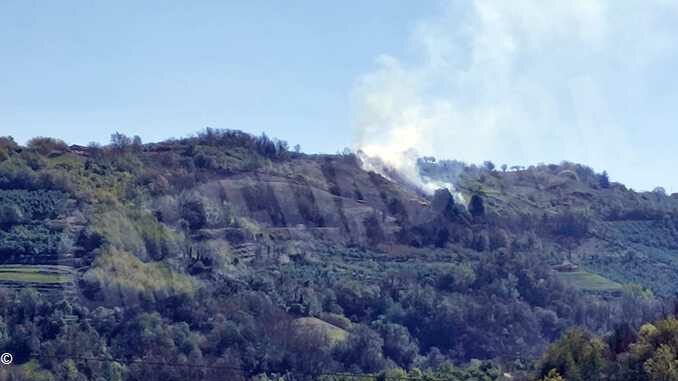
x,y
519,82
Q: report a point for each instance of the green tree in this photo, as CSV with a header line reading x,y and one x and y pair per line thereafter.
x,y
10,215
663,366
577,356
654,355
604,180
553,375
476,207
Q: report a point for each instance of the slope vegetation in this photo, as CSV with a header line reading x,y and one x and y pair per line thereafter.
x,y
230,250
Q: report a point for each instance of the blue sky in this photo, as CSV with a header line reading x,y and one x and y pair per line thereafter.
x,y
518,82
80,69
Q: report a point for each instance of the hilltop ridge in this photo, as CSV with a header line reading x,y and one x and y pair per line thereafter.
x,y
242,244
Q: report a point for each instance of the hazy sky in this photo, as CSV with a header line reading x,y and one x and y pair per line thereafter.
x,y
516,82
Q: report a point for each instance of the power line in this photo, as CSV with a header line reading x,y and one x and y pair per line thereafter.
x,y
226,367
146,362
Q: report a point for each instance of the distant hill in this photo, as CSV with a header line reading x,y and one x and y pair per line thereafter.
x,y
226,248
579,216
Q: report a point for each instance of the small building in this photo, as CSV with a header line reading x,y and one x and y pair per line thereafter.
x,y
566,267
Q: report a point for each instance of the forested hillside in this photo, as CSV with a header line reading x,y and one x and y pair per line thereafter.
x,y
225,256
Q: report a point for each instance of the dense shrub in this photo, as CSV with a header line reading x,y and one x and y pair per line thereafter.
x,y
46,146
29,240
121,277
577,356
263,145
35,205
193,211
476,206
571,224
15,173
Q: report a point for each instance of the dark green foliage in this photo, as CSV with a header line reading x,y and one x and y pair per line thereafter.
x,y
604,180
10,214
47,146
28,171
16,173
23,222
29,240
263,145
488,165
120,142
458,278
34,205
157,239
399,346
8,145
193,211
577,356
622,337
443,203
646,354
363,351
571,224
476,206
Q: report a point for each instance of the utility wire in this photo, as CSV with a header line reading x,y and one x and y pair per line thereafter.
x,y
226,367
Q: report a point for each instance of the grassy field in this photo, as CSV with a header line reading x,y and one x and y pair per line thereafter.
x,y
584,280
334,333
34,274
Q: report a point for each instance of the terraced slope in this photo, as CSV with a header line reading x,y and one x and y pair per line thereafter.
x,y
51,279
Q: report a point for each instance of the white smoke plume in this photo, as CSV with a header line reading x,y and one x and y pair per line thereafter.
x,y
522,82
403,167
